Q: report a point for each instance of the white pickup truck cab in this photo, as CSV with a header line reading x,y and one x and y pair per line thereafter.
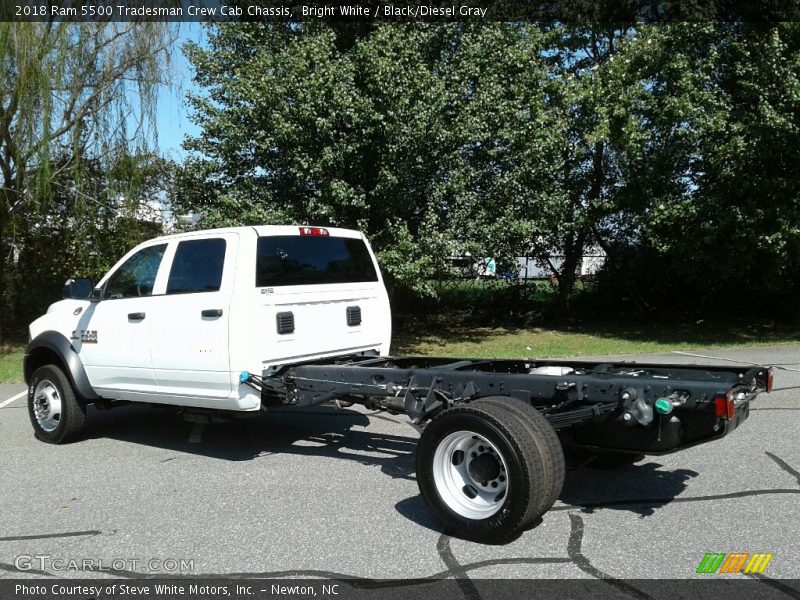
x,y
179,317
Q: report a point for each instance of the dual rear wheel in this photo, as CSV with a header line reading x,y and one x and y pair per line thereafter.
x,y
490,468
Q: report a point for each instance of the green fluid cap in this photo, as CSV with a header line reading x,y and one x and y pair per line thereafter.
x,y
663,406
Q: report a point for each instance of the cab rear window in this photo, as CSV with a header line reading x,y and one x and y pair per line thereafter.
x,y
312,260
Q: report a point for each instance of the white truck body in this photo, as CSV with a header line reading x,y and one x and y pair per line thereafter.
x,y
147,340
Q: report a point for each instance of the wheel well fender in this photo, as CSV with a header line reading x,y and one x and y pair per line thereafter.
x,y
51,347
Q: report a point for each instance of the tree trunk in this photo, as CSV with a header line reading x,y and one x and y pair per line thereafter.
x,y
2,299
5,204
573,251
574,246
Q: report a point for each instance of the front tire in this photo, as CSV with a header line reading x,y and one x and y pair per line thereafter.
x,y
482,473
56,413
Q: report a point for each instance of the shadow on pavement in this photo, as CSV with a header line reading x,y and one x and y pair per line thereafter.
x,y
320,431
640,488
328,432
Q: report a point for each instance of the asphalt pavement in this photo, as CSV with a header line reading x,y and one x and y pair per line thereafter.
x,y
328,492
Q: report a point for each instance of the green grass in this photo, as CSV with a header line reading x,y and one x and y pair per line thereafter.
x,y
443,339
11,363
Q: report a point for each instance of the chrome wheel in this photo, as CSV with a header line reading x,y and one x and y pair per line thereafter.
x,y
470,475
47,405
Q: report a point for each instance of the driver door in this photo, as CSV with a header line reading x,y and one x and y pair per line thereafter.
x,y
114,334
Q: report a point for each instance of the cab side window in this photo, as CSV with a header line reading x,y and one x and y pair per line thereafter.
x,y
197,267
137,275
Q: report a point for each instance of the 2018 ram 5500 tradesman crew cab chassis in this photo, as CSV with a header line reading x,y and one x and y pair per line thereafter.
x,y
234,321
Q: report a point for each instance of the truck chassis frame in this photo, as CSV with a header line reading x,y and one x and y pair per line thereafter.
x,y
621,396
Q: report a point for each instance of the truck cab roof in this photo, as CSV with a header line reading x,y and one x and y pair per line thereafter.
x,y
260,231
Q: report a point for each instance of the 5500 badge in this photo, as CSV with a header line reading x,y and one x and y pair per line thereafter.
x,y
86,336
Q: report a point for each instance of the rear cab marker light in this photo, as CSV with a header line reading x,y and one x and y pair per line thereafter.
x,y
314,231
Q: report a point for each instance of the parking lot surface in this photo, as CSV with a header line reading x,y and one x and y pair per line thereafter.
x,y
327,492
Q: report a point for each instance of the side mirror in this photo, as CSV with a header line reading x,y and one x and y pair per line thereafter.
x,y
79,288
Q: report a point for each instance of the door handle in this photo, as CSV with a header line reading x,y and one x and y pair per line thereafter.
x,y
212,312
135,316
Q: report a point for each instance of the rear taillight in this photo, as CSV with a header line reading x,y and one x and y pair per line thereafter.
x,y
770,377
724,406
314,231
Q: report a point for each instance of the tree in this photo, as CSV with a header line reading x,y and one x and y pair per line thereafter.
x,y
83,229
710,198
587,109
71,92
503,146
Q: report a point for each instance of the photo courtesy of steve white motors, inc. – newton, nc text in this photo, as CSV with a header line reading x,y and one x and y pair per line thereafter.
x,y
161,589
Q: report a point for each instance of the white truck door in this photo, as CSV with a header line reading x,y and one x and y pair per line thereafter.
x,y
113,335
189,343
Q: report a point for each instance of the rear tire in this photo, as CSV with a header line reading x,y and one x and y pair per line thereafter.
x,y
546,440
480,469
56,413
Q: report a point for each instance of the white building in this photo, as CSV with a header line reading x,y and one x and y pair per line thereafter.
x,y
590,263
